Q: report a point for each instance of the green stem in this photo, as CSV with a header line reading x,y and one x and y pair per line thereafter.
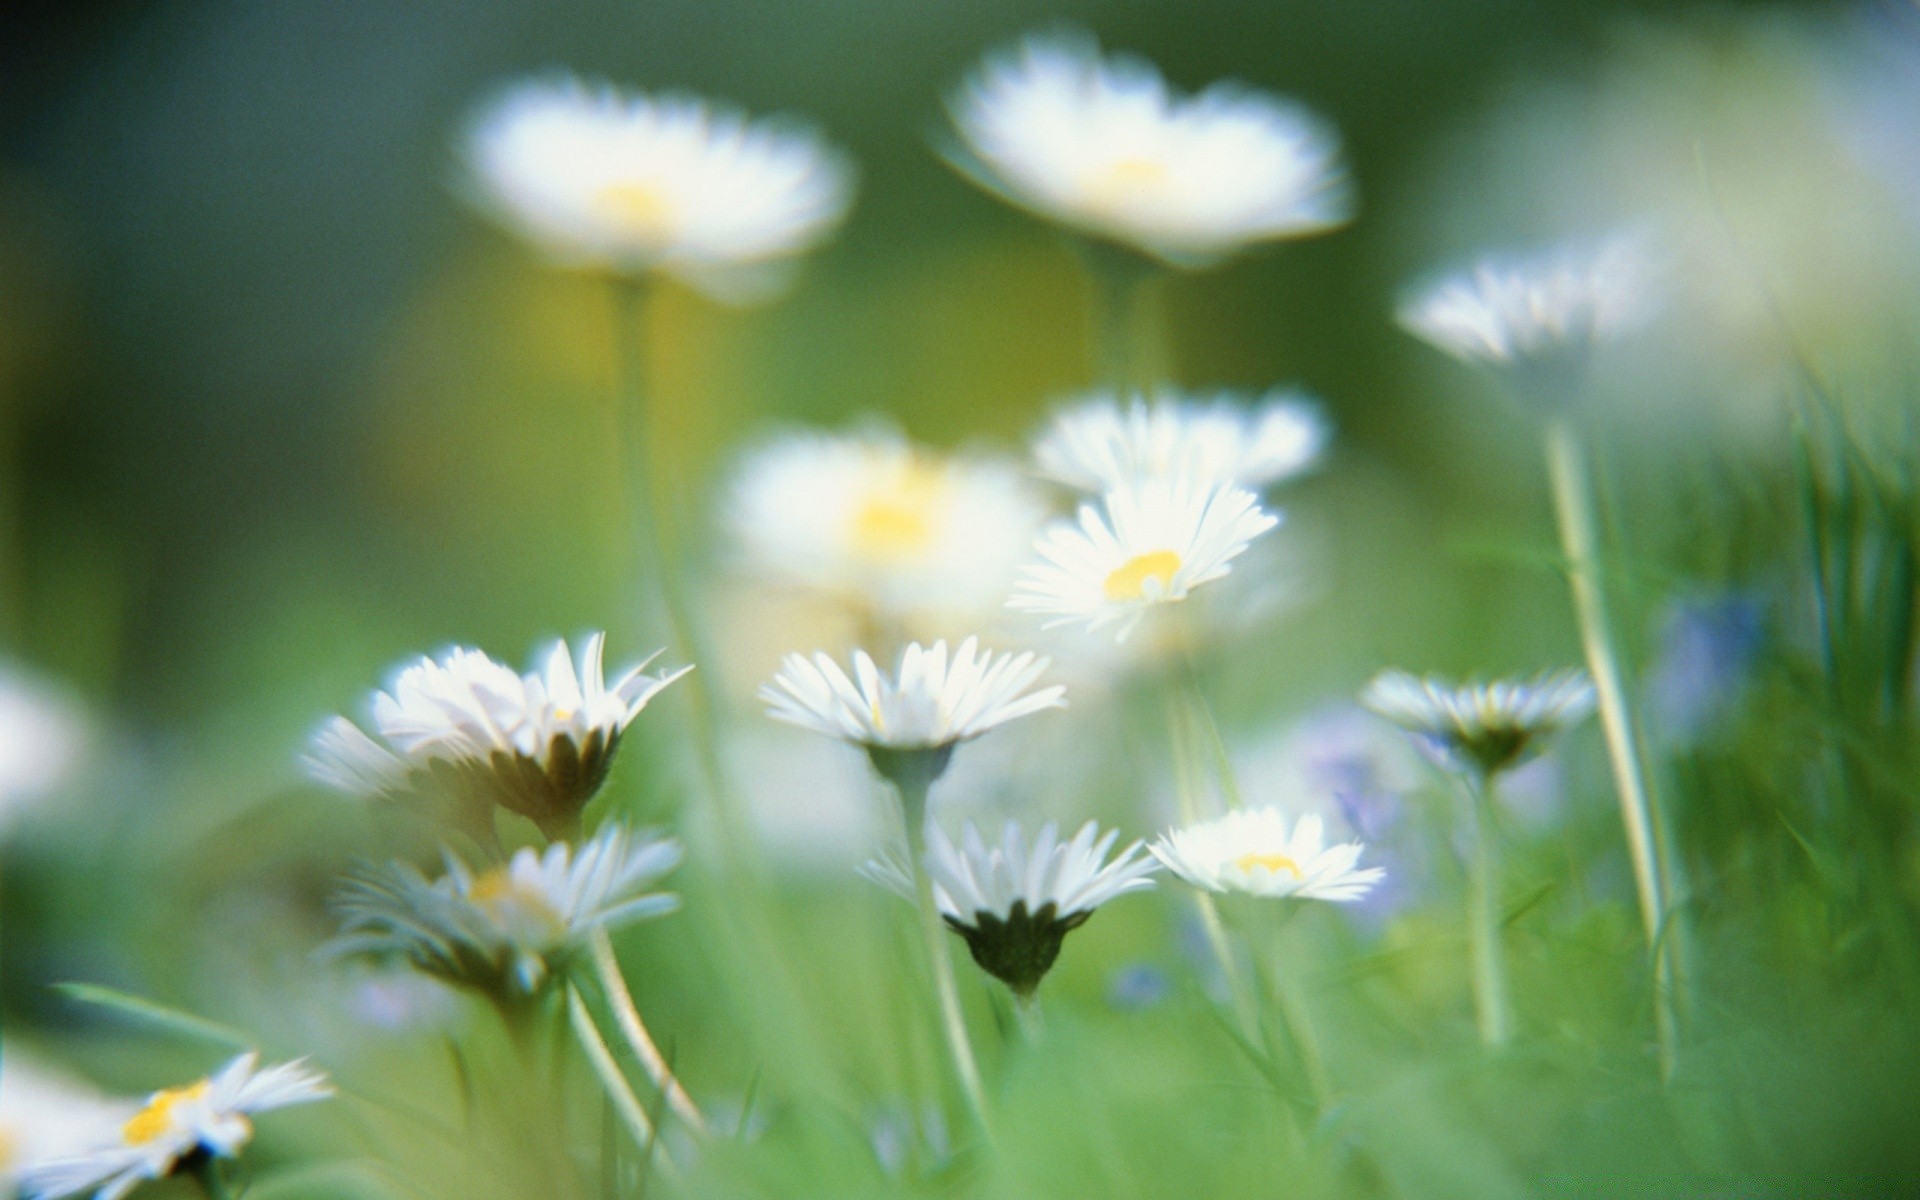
x,y
626,1015
1290,1000
953,1021
1491,1005
1128,336
1580,541
1033,1022
212,1180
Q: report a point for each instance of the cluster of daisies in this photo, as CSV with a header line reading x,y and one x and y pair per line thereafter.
x,y
1168,492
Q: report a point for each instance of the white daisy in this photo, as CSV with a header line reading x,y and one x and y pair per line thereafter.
x,y
211,1117
1485,727
1254,850
1015,903
1147,544
506,931
1096,445
1545,310
632,182
889,528
469,731
932,702
46,1114
1105,146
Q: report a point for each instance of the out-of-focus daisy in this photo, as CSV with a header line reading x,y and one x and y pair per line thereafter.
x,y
46,1114
473,732
1257,851
506,931
1103,145
1539,312
1015,903
211,1117
1145,545
632,182
1096,444
1481,727
892,530
43,737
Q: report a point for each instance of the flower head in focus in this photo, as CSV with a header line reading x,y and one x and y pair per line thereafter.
x,y
886,527
1542,313
1015,903
1097,444
209,1117
470,732
1145,545
1103,145
932,703
1481,727
1258,852
631,182
508,930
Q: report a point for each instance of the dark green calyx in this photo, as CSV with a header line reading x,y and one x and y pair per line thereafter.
x,y
1019,950
1494,749
551,794
912,769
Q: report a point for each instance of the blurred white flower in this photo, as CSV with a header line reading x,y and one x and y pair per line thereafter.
x,y
1256,851
43,738
1548,309
211,1117
46,1114
631,182
891,530
1096,445
1145,545
506,931
471,731
1484,727
1014,903
933,701
1102,144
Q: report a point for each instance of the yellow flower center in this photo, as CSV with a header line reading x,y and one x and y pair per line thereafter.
x,y
898,521
1271,862
639,209
1125,179
510,902
1128,581
9,1148
156,1118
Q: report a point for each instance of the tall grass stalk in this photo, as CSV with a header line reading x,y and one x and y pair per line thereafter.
x,y
1574,510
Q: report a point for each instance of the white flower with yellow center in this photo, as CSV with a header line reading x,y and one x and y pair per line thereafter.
x,y
1103,145
1147,544
887,527
506,931
1257,851
1096,444
469,731
1481,727
633,183
212,1117
1015,903
1542,311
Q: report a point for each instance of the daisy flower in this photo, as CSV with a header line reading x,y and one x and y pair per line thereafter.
x,y
1015,903
1254,850
472,732
1096,444
1484,727
1103,145
1542,311
888,527
1145,545
630,182
211,1117
506,931
46,1114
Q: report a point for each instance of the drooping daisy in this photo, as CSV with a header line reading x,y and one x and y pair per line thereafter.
x,y
469,731
886,527
508,930
1483,727
1014,903
931,704
1539,312
1103,145
211,1117
631,182
1256,851
1146,545
1096,444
